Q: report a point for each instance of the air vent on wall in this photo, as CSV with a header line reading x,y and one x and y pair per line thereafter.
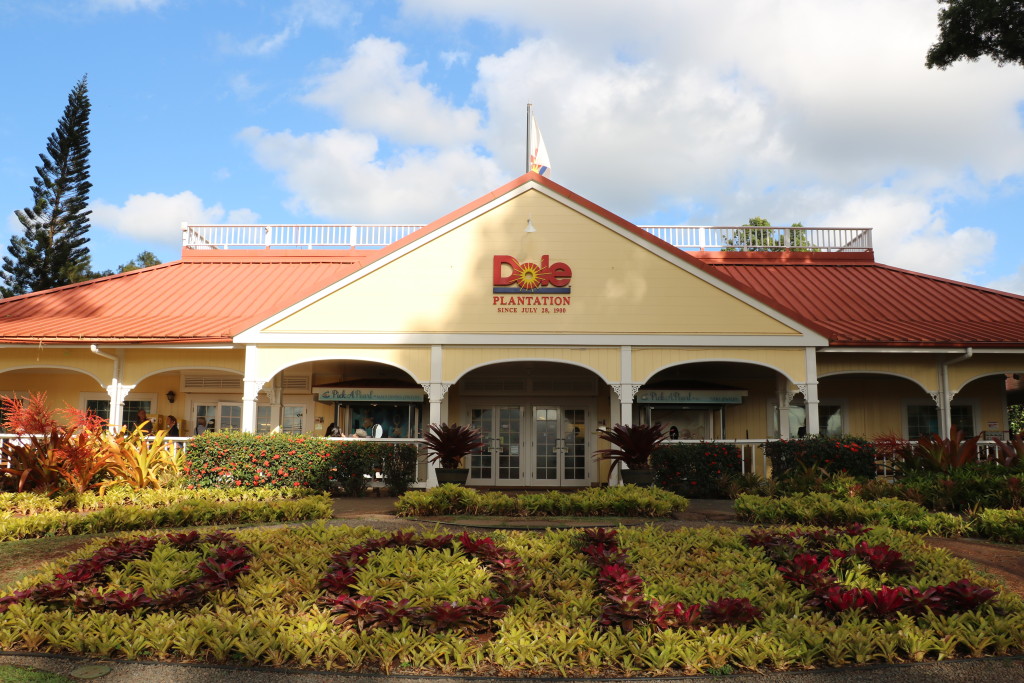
x,y
212,382
296,383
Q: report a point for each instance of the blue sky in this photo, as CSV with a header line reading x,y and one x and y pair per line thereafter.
x,y
675,111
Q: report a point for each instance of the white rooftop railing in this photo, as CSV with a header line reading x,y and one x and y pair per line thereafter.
x,y
688,238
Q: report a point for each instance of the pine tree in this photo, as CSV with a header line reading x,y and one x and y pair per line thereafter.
x,y
53,252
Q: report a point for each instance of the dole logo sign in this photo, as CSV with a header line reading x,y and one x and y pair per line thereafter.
x,y
513,277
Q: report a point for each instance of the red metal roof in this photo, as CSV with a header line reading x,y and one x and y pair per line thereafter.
x,y
870,304
211,296
206,297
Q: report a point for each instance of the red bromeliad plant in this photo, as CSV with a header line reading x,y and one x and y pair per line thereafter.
x,y
632,445
450,443
477,617
623,592
226,561
813,566
948,454
49,455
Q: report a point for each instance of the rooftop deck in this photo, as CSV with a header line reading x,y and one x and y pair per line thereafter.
x,y
685,237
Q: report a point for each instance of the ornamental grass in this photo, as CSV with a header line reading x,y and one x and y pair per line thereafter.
x,y
632,601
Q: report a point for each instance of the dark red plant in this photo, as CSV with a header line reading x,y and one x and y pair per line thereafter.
x,y
632,445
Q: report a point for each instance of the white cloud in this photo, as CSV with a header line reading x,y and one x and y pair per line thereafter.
x,y
158,217
125,5
452,57
243,88
337,175
375,90
910,233
298,14
711,111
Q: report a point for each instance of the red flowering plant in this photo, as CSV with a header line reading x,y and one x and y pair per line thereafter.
x,y
696,470
51,455
239,459
843,454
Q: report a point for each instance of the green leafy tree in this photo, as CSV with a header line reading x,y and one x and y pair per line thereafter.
x,y
53,250
145,259
971,29
759,235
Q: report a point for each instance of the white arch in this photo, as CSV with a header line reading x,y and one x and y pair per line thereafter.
x,y
187,367
876,372
102,384
718,360
984,374
530,360
356,358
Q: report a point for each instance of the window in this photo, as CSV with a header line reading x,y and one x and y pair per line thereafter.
x,y
923,419
98,407
830,419
263,420
131,411
292,419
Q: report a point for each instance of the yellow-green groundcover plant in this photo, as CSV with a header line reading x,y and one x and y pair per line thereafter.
x,y
358,599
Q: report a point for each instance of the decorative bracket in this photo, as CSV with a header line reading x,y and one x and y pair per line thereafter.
x,y
626,390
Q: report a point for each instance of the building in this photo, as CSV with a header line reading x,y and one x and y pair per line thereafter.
x,y
537,316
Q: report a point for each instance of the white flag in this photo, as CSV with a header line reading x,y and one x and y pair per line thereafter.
x,y
539,162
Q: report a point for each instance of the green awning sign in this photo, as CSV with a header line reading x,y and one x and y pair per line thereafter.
x,y
704,396
369,394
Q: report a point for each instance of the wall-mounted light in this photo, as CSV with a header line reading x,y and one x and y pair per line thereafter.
x,y
529,225
170,396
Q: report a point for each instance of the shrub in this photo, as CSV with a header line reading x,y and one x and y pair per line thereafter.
x,y
622,501
696,470
353,464
833,454
398,465
821,508
1006,526
973,485
229,459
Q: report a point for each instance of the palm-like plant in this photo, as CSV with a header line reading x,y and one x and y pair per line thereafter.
x,y
632,445
450,443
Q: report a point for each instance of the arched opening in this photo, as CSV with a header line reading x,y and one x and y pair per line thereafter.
x,y
64,387
710,400
361,398
538,420
874,404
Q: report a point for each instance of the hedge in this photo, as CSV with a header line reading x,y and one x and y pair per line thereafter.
x,y
696,470
240,459
834,454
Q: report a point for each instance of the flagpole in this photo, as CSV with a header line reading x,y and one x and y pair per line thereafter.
x,y
529,121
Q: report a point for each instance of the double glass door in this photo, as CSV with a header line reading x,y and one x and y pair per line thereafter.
x,y
530,446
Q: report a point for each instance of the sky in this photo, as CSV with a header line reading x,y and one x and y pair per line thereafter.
x,y
682,112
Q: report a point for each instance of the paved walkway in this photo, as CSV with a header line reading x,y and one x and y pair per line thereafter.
x,y
379,512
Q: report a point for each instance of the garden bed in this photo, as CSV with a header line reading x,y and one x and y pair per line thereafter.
x,y
640,602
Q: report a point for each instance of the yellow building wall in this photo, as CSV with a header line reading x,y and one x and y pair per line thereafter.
x,y
921,368
413,359
62,389
81,360
981,365
140,363
988,394
457,361
617,287
648,361
874,404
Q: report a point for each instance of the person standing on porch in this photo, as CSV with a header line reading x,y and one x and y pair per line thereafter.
x,y
373,430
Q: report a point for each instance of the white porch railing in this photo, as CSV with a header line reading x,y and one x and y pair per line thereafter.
x,y
293,236
686,237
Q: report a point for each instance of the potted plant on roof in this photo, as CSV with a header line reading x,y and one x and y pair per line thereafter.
x,y
448,445
631,450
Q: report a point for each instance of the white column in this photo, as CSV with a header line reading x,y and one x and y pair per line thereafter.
x,y
117,393
251,385
784,397
436,396
810,390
